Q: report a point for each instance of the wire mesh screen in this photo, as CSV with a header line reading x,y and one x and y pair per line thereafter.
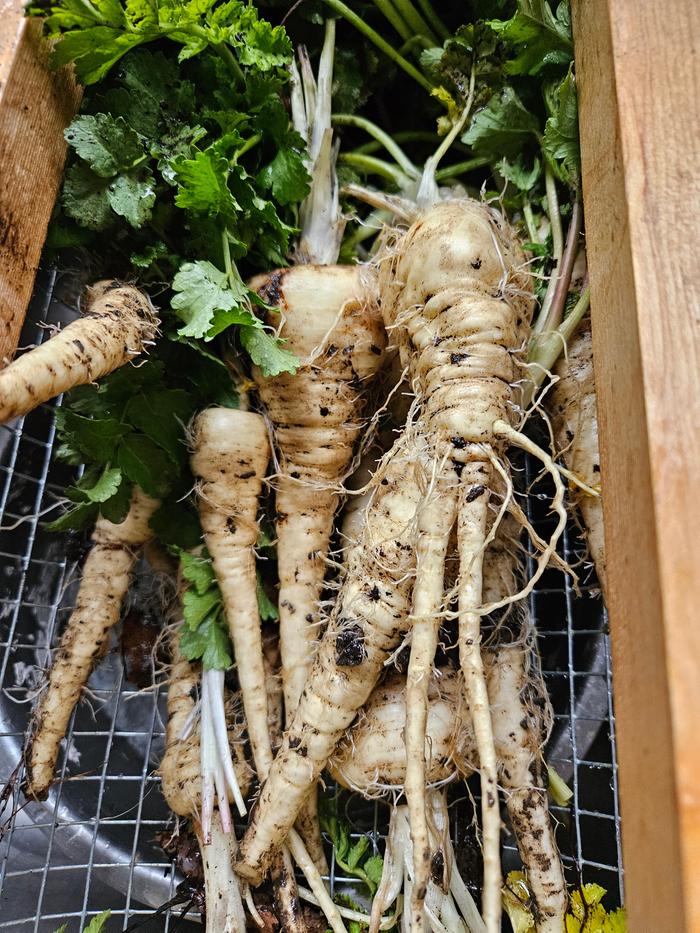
x,y
92,845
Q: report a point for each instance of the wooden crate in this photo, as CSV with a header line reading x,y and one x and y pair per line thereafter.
x,y
638,72
36,104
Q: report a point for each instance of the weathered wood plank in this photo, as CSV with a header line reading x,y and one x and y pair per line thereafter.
x,y
36,104
638,73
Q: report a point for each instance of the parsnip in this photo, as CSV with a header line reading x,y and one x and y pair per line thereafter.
x,y
332,323
519,708
118,325
371,757
105,581
572,406
458,301
231,451
368,620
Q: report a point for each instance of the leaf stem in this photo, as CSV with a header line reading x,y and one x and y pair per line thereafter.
x,y
247,145
428,192
221,49
554,214
411,43
231,271
548,347
391,146
225,53
434,20
343,10
370,226
552,311
530,221
415,20
386,8
373,166
461,168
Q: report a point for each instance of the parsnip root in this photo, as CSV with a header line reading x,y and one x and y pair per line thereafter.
x,y
105,582
118,325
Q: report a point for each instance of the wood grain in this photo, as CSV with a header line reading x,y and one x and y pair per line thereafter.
x,y
639,90
36,104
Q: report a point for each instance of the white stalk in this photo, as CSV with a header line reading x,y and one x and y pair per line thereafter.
x,y
213,691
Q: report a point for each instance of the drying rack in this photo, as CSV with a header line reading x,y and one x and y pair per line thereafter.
x,y
91,845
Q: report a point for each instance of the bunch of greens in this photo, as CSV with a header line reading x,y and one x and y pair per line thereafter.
x,y
184,168
130,429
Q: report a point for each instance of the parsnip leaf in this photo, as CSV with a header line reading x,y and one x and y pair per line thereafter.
x,y
162,415
203,293
561,139
267,353
107,145
539,36
176,525
197,606
266,608
501,128
106,486
85,197
96,925
202,184
145,464
132,196
519,174
286,176
209,642
204,635
197,569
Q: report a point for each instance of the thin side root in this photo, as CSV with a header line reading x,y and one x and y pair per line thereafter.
x,y
517,439
311,873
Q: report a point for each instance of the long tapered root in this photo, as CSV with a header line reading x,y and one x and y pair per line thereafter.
x,y
520,707
369,619
222,892
331,321
105,581
471,535
435,520
183,786
231,451
572,404
118,325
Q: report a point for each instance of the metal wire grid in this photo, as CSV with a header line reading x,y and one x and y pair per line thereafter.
x,y
91,845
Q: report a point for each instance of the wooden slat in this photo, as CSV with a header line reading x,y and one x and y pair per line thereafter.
x,y
638,72
36,105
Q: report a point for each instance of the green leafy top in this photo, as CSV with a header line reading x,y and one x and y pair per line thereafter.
x,y
130,429
95,35
204,635
183,165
